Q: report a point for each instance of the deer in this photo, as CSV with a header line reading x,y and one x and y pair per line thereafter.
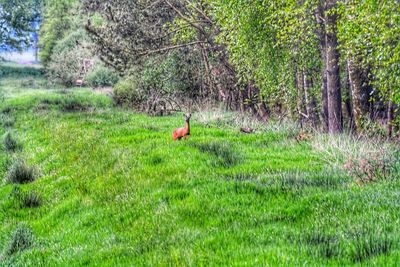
x,y
182,132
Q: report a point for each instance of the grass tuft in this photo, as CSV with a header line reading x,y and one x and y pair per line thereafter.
x,y
10,142
20,173
74,105
323,245
31,200
7,120
22,239
226,155
370,245
23,199
7,110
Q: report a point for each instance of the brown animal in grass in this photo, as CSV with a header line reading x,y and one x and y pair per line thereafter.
x,y
180,133
247,130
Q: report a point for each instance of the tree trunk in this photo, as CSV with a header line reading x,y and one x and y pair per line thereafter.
x,y
324,88
300,98
390,118
356,93
310,104
264,111
333,71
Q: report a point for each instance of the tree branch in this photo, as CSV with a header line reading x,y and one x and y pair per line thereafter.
x,y
170,48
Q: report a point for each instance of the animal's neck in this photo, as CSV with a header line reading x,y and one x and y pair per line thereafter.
x,y
187,126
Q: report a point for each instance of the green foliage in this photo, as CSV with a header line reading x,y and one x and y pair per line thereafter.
x,y
268,41
16,19
122,32
101,76
22,239
161,79
127,93
59,19
65,67
20,173
71,41
376,47
11,70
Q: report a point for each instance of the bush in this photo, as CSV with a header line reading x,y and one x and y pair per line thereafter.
x,y
160,82
65,67
127,93
70,41
101,76
21,240
20,173
10,142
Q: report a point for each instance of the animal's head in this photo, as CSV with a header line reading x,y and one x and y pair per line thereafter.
x,y
187,117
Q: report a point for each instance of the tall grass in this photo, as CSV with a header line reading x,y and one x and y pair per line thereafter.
x,y
20,172
10,142
223,151
337,149
22,239
236,120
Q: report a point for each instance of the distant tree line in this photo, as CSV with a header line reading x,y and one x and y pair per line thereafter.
x,y
330,64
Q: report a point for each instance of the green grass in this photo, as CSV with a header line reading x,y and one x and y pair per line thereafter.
x,y
114,189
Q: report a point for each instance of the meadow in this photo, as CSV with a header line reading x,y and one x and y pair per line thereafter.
x,y
105,186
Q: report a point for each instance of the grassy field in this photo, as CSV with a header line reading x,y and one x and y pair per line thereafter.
x,y
111,188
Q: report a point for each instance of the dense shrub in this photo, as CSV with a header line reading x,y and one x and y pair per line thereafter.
x,y
20,173
160,83
127,93
101,76
21,240
71,41
65,67
61,18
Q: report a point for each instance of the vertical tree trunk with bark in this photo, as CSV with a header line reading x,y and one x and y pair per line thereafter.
x,y
356,92
332,70
390,118
309,100
300,97
324,89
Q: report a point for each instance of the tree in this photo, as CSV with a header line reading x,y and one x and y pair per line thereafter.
x,y
60,18
17,20
335,123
